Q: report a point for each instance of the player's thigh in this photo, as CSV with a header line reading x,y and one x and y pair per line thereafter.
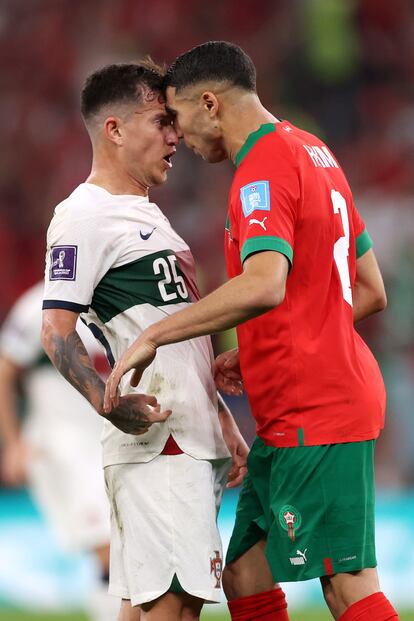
x,y
322,501
172,607
248,574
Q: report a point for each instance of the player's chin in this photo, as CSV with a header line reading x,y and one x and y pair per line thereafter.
x,y
160,177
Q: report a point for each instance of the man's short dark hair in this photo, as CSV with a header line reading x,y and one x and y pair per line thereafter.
x,y
120,83
215,60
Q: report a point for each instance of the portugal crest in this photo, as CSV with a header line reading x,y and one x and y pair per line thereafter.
x,y
290,519
216,565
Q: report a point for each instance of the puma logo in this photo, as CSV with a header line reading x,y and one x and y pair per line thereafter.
x,y
300,559
259,222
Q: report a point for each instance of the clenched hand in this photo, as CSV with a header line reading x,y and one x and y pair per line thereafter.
x,y
135,413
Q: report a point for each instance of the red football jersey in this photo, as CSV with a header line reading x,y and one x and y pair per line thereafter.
x,y
309,376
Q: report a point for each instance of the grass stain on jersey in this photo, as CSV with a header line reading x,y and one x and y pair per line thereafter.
x,y
158,385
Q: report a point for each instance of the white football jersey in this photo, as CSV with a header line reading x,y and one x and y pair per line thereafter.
x,y
116,260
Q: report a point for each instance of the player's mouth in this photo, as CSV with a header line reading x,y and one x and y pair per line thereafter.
x,y
167,158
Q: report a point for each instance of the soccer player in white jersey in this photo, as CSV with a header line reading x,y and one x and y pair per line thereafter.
x,y
166,457
56,450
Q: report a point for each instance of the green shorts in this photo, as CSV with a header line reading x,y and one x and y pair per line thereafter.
x,y
314,505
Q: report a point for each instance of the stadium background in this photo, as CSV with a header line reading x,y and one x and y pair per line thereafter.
x,y
343,69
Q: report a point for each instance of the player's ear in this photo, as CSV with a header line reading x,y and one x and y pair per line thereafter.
x,y
112,129
210,103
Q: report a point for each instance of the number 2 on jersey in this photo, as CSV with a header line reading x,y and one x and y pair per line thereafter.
x,y
341,247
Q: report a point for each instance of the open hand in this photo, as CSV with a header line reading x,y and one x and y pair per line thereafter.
x,y
238,469
227,375
237,447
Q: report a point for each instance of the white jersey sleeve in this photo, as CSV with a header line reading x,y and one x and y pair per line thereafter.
x,y
20,333
80,250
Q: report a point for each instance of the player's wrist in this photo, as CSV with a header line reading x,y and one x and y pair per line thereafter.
x,y
152,337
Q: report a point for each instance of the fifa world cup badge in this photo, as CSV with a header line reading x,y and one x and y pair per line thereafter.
x,y
290,519
216,565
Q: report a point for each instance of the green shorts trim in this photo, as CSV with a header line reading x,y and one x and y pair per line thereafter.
x,y
313,504
175,586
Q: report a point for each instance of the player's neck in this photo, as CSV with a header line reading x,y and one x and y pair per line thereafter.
x,y
115,181
251,114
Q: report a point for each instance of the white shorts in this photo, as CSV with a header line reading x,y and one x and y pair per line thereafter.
x,y
67,482
164,524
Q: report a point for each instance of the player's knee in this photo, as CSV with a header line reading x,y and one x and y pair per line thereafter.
x,y
331,598
342,590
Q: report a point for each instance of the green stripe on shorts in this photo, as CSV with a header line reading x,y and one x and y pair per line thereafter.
x,y
313,504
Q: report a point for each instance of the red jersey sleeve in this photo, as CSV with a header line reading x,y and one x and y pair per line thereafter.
x,y
363,240
265,203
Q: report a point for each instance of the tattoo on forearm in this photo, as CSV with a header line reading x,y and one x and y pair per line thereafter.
x,y
70,357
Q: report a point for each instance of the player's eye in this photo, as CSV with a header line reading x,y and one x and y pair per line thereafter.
x,y
164,121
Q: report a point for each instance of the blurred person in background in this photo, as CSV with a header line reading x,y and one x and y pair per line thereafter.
x,y
113,257
56,450
302,272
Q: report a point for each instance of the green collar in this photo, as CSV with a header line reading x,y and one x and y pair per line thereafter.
x,y
251,140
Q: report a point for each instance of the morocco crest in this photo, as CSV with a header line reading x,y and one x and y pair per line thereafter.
x,y
290,519
216,565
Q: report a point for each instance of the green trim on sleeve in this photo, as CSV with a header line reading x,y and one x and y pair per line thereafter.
x,y
264,242
228,227
363,243
251,140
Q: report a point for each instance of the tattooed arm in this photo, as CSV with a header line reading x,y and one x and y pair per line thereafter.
x,y
135,412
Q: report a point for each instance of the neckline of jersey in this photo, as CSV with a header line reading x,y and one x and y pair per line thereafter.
x,y
251,140
135,196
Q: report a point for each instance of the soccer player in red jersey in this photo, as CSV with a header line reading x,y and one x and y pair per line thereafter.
x,y
302,272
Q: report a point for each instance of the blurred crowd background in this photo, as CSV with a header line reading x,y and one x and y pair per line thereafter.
x,y
343,69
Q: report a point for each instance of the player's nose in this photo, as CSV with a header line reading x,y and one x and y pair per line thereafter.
x,y
172,137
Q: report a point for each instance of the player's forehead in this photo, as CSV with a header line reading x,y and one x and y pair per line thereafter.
x,y
175,101
150,102
170,96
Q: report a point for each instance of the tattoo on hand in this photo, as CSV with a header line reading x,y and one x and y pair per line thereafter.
x,y
129,418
